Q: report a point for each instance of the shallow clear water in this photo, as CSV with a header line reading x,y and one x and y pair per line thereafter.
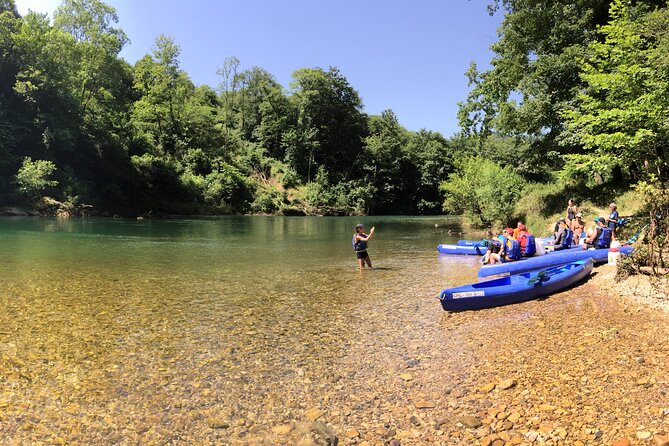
x,y
124,330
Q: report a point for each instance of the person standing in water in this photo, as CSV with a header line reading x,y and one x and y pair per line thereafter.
x,y
360,240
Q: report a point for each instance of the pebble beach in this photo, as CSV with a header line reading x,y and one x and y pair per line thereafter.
x,y
584,367
380,365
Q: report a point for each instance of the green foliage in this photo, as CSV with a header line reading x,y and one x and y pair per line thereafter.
x,y
620,118
267,201
388,164
35,176
432,156
655,196
483,191
226,190
330,124
144,137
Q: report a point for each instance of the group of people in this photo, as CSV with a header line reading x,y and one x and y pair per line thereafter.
x,y
514,243
598,237
510,245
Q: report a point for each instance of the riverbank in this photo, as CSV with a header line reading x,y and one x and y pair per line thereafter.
x,y
583,367
586,366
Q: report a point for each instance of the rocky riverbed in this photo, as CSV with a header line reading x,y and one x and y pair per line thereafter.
x,y
85,365
588,366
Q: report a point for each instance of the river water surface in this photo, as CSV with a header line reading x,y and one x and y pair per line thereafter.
x,y
261,331
158,331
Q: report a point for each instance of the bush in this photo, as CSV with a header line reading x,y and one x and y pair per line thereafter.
x,y
35,176
485,192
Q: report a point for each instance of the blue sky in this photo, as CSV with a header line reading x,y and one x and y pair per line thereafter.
x,y
409,56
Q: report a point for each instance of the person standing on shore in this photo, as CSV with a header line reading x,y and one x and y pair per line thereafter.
x,y
612,221
360,240
571,211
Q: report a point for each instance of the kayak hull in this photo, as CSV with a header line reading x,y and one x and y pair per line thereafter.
x,y
515,288
548,260
466,250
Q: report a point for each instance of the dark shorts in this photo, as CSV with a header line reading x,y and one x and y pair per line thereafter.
x,y
361,254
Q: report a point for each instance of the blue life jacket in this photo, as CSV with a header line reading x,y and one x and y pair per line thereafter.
x,y
568,238
512,249
360,245
604,240
530,246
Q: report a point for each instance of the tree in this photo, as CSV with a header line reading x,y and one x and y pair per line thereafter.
x,y
432,156
535,73
389,167
620,115
35,176
483,191
163,89
96,47
330,123
228,89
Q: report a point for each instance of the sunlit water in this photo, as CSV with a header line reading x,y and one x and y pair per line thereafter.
x,y
155,330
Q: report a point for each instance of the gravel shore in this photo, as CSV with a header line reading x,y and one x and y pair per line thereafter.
x,y
584,367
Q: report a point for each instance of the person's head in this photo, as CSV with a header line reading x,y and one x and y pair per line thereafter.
x,y
613,206
359,227
601,221
579,215
571,202
562,220
509,231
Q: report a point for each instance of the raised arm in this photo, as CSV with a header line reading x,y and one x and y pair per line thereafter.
x,y
371,233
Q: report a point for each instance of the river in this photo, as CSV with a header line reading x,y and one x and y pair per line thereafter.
x,y
261,331
117,330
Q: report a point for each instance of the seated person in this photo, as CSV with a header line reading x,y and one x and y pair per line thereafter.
x,y
510,249
519,229
592,240
495,245
558,226
561,236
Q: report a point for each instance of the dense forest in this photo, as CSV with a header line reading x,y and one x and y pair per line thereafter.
x,y
575,104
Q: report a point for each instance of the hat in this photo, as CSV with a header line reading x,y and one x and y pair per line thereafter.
x,y
509,230
613,205
561,219
601,220
359,225
578,214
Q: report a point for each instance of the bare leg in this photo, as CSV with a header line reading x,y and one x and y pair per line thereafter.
x,y
361,264
369,261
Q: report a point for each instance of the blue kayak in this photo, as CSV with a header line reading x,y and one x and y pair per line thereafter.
x,y
548,260
472,250
515,288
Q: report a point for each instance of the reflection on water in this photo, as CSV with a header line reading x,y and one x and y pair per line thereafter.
x,y
153,331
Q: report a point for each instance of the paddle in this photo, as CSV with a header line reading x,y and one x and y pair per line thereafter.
x,y
538,278
544,274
